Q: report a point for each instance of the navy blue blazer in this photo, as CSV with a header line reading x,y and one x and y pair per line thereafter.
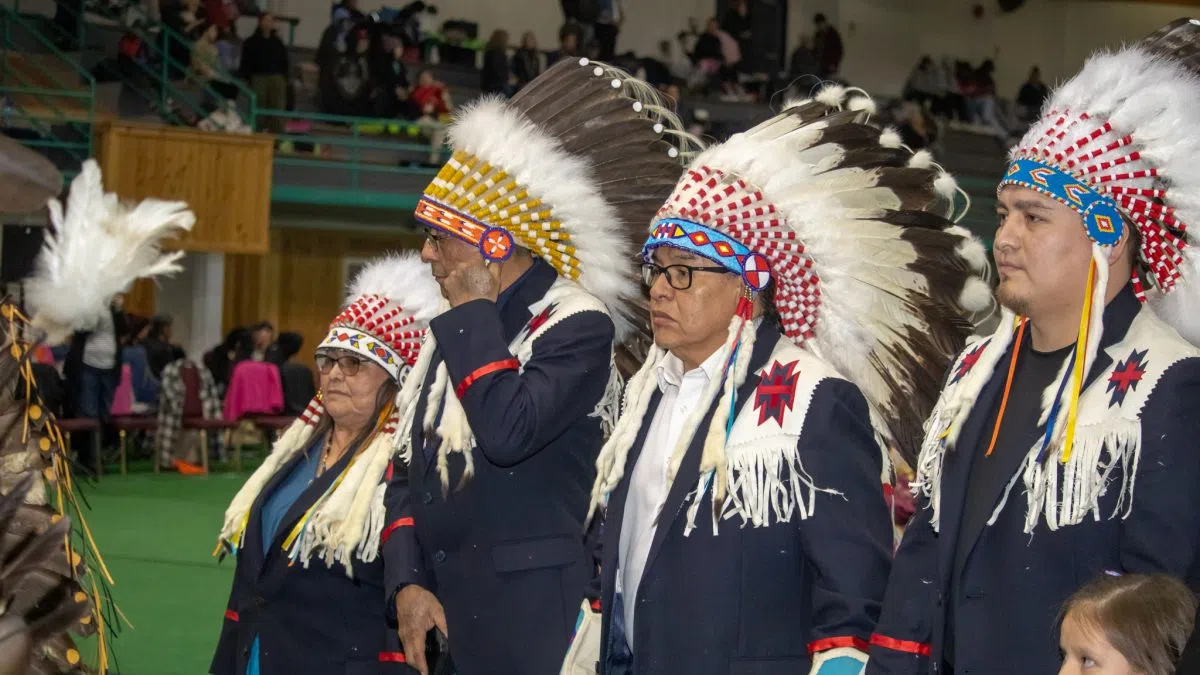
x,y
313,620
1012,585
505,552
758,601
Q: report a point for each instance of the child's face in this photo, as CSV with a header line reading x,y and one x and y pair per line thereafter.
x,y
1086,652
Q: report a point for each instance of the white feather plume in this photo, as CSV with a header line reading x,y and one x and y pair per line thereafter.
x,y
501,136
403,278
98,247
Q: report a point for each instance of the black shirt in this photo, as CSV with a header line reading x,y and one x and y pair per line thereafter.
x,y
1019,432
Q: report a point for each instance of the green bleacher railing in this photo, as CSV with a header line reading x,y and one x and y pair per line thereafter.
x,y
84,90
363,136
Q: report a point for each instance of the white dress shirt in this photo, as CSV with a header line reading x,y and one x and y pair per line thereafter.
x,y
648,485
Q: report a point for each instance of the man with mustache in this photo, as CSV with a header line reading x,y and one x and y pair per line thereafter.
x,y
1065,444
795,328
504,413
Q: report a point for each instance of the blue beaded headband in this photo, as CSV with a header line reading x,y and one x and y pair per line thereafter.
x,y
1100,214
713,245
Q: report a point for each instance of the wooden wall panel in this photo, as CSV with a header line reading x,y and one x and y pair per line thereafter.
x,y
299,285
141,298
224,177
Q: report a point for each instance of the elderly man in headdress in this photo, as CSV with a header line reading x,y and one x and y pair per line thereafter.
x,y
529,230
806,289
1064,445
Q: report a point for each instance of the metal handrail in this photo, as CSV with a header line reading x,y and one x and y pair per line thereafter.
x,y
168,34
11,17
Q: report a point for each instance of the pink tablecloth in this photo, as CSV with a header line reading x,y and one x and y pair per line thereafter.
x,y
254,389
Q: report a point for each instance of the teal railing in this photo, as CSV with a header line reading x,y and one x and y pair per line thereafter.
x,y
50,117
354,151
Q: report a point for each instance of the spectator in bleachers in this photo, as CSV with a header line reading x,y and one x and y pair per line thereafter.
x,y
925,84
192,16
981,101
607,26
526,61
955,77
665,69
345,74
915,130
803,63
345,10
495,77
708,56
206,66
1031,96
568,46
395,88
592,51
430,97
265,66
736,22
827,44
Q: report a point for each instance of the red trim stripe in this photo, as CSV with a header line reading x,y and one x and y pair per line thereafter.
x,y
231,615
918,648
387,531
596,606
506,364
391,657
825,644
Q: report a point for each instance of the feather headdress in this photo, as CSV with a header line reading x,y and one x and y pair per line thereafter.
x,y
847,229
1117,144
571,168
99,247
387,314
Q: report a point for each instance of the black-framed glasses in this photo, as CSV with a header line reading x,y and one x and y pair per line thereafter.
x,y
435,238
678,276
349,364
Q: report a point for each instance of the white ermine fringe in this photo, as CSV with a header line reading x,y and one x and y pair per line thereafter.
x,y
713,459
291,442
1065,494
609,407
338,526
407,397
950,411
610,463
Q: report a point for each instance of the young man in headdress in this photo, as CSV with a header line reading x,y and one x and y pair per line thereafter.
x,y
530,228
804,291
1065,444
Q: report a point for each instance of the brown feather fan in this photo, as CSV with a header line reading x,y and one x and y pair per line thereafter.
x,y
42,575
1179,40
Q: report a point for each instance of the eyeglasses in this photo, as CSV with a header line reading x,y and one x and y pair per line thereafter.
x,y
435,238
349,364
678,276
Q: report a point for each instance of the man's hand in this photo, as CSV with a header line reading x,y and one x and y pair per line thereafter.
x,y
417,611
474,282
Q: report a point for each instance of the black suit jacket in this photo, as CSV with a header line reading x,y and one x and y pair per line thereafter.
x,y
1012,585
313,620
505,554
757,601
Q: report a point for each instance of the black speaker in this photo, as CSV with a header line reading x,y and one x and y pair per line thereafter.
x,y
18,250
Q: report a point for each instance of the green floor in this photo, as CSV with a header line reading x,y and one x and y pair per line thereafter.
x,y
157,534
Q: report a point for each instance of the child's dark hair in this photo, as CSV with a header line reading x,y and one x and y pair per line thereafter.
x,y
1147,618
